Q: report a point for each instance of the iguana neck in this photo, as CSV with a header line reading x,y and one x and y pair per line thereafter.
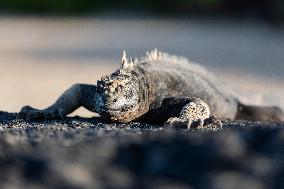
x,y
147,89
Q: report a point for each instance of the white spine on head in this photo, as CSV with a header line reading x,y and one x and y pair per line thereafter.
x,y
126,64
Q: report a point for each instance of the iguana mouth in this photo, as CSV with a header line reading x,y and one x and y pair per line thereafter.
x,y
114,109
122,109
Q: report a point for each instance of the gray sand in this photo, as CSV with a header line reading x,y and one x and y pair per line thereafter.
x,y
88,153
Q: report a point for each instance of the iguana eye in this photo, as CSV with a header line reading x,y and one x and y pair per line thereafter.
x,y
118,89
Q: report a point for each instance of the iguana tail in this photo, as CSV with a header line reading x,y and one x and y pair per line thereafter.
x,y
260,113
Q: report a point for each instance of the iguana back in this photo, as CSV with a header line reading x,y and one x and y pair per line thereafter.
x,y
177,77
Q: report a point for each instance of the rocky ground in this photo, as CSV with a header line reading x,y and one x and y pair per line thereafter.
x,y
88,153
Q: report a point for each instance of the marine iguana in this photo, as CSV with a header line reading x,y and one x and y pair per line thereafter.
x,y
156,88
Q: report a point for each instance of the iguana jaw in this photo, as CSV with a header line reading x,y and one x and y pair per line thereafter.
x,y
120,115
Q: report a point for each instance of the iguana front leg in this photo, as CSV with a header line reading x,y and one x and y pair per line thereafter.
x,y
74,97
195,114
183,112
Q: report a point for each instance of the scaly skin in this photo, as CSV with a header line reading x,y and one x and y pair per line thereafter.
x,y
157,88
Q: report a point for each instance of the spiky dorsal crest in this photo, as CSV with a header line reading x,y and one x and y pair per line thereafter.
x,y
127,64
155,55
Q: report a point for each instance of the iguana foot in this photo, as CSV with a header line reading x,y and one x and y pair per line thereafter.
x,y
178,123
28,113
195,115
212,124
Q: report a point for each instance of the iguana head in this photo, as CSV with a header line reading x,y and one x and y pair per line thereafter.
x,y
118,94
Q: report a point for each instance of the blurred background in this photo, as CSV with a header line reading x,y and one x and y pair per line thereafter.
x,y
46,46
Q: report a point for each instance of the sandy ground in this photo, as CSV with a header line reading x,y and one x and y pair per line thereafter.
x,y
88,153
42,57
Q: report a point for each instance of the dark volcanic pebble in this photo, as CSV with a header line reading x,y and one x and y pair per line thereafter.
x,y
88,153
